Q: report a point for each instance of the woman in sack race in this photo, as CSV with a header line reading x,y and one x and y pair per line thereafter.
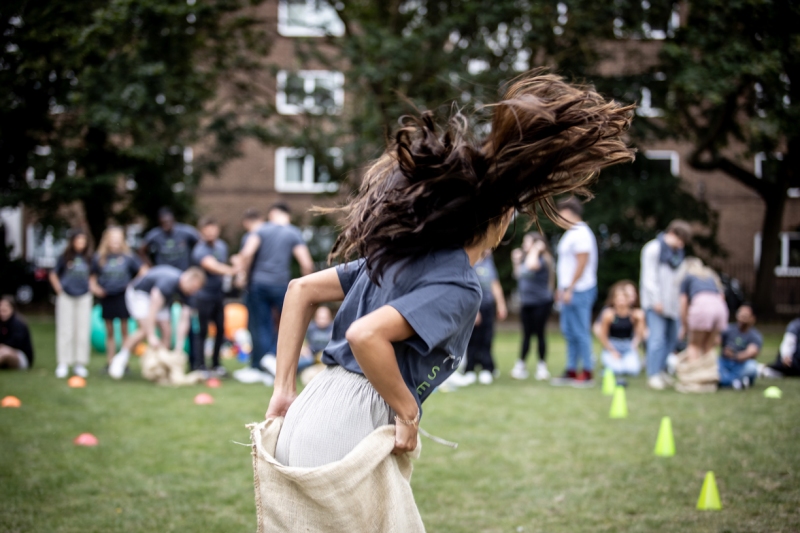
x,y
427,210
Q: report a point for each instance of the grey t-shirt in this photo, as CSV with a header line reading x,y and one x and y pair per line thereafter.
x,y
273,260
117,271
439,295
692,285
317,337
738,340
73,275
534,285
219,250
173,248
166,278
487,274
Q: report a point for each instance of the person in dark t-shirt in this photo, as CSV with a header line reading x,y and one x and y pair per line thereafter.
x,y
113,268
16,349
210,254
427,211
70,281
170,243
266,269
149,294
741,345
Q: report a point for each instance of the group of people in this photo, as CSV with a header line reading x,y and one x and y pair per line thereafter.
x,y
176,263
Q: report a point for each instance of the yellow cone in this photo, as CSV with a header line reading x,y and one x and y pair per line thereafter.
x,y
773,392
619,407
609,382
665,444
709,495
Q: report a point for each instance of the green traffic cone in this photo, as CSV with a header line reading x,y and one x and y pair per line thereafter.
x,y
619,407
665,444
609,382
709,495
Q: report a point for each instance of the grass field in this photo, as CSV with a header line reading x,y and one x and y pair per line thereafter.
x,y
532,458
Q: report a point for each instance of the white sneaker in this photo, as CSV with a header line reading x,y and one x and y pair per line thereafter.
x,y
270,363
470,377
672,364
542,374
520,371
117,367
485,377
249,375
668,380
80,370
62,371
656,382
457,379
766,372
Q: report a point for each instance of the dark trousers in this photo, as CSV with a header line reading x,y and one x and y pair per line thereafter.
x,y
534,320
791,370
208,310
479,349
265,303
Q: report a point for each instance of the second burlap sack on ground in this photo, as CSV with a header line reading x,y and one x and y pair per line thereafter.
x,y
699,375
164,367
367,491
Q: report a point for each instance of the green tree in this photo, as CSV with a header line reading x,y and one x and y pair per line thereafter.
x,y
102,98
399,57
733,76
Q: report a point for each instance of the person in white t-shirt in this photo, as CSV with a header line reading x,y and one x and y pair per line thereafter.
x,y
576,270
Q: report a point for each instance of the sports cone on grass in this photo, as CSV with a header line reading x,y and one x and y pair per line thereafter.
x,y
86,439
773,392
665,444
709,495
203,399
10,401
609,382
76,382
619,407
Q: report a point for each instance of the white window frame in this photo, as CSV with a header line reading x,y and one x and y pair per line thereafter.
x,y
645,108
783,270
672,156
309,77
758,170
310,30
308,185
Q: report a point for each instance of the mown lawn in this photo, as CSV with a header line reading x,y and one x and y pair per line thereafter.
x,y
531,457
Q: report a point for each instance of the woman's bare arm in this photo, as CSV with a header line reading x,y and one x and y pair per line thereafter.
x,y
298,308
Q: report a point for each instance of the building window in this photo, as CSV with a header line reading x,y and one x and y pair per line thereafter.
x,y
308,18
646,19
297,171
311,91
768,166
668,158
789,258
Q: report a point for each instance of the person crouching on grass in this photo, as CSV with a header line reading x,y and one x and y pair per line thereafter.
x,y
428,209
148,295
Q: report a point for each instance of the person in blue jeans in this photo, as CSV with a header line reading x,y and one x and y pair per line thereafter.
x,y
266,263
576,270
741,345
661,271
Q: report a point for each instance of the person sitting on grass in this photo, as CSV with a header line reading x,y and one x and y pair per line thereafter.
x,y
788,361
149,295
318,335
620,332
741,345
16,350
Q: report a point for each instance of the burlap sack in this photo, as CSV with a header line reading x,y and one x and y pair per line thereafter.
x,y
164,367
699,375
367,491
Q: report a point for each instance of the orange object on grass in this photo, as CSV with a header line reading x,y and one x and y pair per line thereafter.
x,y
86,439
76,382
235,319
11,401
140,349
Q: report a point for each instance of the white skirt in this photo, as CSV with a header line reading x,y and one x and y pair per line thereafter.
x,y
335,412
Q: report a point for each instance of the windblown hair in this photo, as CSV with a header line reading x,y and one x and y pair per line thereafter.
x,y
693,266
103,248
435,189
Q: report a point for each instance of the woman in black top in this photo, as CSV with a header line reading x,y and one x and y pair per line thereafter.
x,y
620,331
16,350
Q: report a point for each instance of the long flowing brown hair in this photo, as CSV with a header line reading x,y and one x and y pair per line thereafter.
x,y
434,189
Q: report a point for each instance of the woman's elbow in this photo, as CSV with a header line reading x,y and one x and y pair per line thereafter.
x,y
359,334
